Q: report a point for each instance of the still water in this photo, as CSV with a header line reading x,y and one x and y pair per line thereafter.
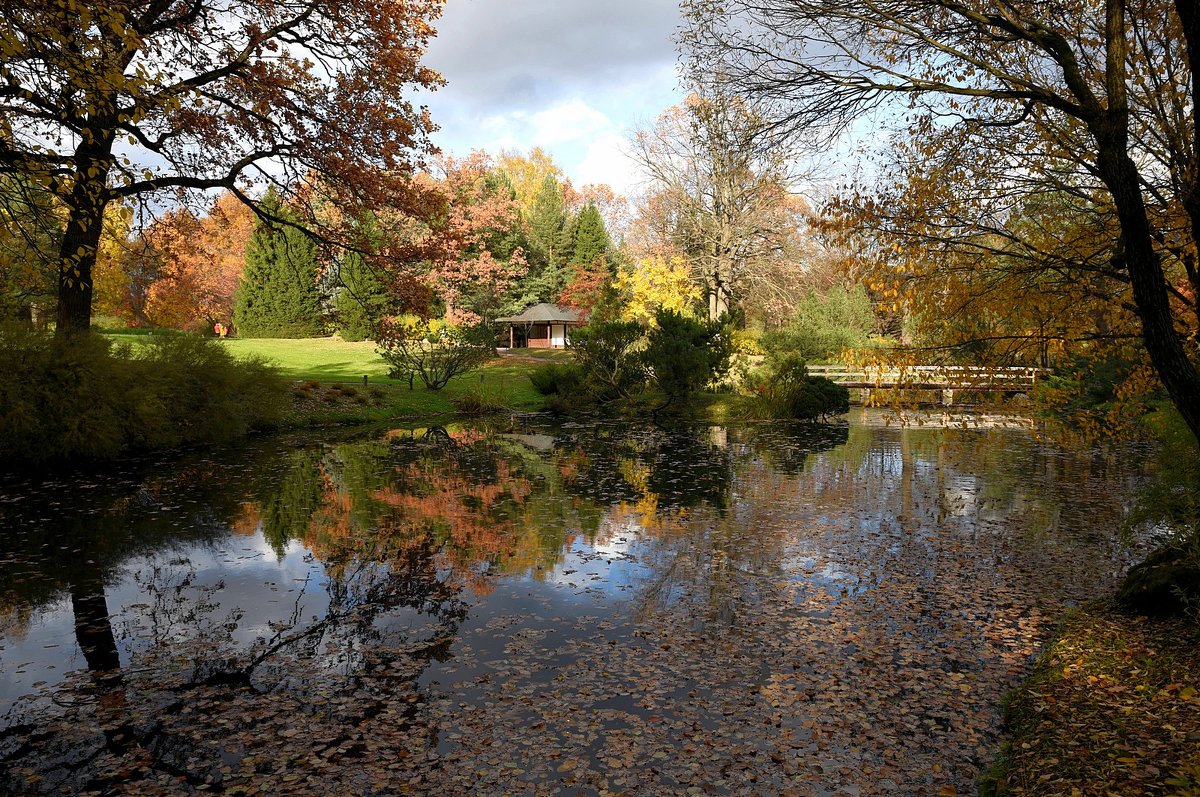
x,y
537,607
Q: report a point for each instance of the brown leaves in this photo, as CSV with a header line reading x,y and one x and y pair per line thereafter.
x,y
1112,702
621,610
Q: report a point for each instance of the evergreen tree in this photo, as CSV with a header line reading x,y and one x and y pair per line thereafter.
x,y
590,239
278,295
361,298
546,224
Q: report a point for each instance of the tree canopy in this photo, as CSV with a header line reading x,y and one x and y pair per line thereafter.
x,y
140,99
1095,102
720,181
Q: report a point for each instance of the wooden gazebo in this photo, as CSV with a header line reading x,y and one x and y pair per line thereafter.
x,y
543,326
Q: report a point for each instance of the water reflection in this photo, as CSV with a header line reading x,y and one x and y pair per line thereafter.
x,y
405,574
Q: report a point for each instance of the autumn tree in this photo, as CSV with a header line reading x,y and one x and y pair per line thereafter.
x,y
470,242
278,296
124,100
656,284
615,210
29,228
528,175
718,174
1103,95
199,262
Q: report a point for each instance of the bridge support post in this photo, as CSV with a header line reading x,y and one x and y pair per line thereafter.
x,y
947,396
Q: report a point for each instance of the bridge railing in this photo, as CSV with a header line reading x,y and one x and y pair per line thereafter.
x,y
958,377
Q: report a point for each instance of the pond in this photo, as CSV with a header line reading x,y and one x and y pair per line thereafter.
x,y
539,607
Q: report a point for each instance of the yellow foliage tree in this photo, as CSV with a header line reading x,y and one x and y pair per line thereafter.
x,y
657,283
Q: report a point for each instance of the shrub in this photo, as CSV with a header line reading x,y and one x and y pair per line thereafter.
x,y
816,397
789,391
686,354
433,352
557,379
83,398
608,354
478,402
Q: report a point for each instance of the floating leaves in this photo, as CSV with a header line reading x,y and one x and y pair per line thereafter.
x,y
760,610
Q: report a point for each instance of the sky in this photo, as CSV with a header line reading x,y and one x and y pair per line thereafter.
x,y
574,77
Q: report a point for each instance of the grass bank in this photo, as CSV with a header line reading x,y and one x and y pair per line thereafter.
x,y
329,387
1112,708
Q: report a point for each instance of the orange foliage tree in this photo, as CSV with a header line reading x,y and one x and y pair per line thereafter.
x,y
462,233
201,260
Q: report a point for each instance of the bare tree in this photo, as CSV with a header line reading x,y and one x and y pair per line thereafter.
x,y
719,181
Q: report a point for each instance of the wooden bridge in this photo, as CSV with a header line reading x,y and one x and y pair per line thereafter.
x,y
944,378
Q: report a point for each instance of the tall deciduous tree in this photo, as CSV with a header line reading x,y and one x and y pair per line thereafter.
x,y
528,175
133,99
470,241
200,263
718,173
1107,91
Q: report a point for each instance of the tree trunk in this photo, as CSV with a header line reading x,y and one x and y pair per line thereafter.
x,y
81,239
1116,168
93,628
1165,346
1189,17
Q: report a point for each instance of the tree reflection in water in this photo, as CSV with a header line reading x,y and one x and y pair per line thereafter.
x,y
372,612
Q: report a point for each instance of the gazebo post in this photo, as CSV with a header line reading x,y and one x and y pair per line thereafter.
x,y
511,340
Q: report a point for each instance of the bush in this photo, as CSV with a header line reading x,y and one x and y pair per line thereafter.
x,y
557,379
609,358
789,391
434,352
83,398
685,354
816,397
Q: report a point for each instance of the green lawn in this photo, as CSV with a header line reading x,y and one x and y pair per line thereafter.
x,y
329,361
322,359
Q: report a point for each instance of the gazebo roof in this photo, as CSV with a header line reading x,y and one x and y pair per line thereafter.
x,y
544,313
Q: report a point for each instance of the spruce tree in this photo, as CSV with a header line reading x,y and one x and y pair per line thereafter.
x,y
361,298
546,223
278,296
590,239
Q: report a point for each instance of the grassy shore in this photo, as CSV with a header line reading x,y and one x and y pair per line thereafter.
x,y
329,387
1112,708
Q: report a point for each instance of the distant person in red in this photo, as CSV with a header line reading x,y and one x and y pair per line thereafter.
x,y
220,329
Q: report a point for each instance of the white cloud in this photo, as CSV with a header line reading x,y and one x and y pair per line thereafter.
x,y
571,122
571,77
606,162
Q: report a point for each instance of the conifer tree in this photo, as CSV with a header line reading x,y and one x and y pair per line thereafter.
x,y
278,295
547,221
361,298
590,239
